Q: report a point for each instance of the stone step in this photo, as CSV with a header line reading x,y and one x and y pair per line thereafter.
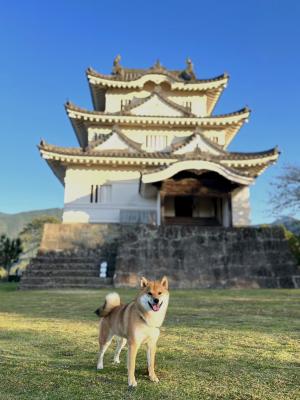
x,y
65,280
43,286
45,272
66,259
64,267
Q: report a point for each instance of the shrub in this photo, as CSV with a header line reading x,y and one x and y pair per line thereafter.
x,y
294,243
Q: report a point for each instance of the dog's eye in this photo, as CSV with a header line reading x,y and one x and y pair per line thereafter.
x,y
150,294
159,293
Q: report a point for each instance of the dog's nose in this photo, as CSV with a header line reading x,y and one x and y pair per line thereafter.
x,y
155,301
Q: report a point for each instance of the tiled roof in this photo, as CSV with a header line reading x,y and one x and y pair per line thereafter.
x,y
180,145
234,170
72,107
197,154
103,138
120,73
90,152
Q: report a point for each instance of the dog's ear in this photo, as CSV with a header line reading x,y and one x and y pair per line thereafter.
x,y
144,282
164,282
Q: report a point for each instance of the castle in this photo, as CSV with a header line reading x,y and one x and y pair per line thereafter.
x,y
152,152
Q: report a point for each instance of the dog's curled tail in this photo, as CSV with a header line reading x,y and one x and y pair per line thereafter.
x,y
112,300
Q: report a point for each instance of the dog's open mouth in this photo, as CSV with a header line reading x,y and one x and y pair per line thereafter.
x,y
155,307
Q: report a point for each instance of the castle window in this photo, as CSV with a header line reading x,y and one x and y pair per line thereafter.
x,y
105,193
96,193
156,142
125,103
92,194
100,194
188,105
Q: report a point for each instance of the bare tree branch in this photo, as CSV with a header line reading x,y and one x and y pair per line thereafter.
x,y
285,196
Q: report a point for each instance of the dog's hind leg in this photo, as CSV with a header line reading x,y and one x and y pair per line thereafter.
x,y
104,341
120,344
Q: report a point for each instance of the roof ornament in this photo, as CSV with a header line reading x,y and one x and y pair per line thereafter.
x,y
189,66
157,66
117,69
188,73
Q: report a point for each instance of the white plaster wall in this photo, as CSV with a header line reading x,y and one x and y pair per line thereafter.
x,y
114,97
213,134
198,100
240,203
156,107
168,136
139,135
124,195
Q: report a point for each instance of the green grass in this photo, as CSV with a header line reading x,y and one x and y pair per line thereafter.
x,y
215,344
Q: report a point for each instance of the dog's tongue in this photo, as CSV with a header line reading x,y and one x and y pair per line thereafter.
x,y
155,307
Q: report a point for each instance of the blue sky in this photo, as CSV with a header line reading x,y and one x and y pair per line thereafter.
x,y
46,47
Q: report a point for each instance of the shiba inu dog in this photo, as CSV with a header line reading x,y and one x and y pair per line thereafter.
x,y
134,323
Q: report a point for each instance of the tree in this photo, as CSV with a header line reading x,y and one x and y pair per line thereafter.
x,y
286,196
10,250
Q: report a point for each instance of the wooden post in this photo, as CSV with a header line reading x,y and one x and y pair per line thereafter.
x,y
162,207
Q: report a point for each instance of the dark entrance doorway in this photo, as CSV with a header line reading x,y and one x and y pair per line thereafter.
x,y
196,197
183,206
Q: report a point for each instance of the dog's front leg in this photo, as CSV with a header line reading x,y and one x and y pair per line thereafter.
x,y
151,350
132,352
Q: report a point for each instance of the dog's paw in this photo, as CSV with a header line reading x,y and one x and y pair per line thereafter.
x,y
132,384
116,361
154,378
99,367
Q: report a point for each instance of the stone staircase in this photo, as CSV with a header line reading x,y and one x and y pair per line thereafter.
x,y
62,271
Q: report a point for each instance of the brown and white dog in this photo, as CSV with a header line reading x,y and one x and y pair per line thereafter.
x,y
136,323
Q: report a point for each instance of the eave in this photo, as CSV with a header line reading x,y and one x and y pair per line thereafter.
x,y
205,165
246,165
112,81
99,84
82,119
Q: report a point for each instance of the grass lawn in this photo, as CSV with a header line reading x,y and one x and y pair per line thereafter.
x,y
215,344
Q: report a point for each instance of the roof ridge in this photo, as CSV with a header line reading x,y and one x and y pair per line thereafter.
x,y
204,138
273,151
127,140
120,73
238,112
199,155
104,137
96,142
71,106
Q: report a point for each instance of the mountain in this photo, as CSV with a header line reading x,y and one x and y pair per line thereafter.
x,y
292,224
12,224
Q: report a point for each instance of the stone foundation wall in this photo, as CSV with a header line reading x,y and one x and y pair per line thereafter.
x,y
191,256
197,257
77,236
